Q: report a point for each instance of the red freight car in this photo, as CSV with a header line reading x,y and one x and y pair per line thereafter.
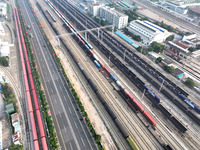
x,y
149,118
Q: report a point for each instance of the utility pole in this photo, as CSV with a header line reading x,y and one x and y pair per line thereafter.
x,y
143,93
85,35
161,85
124,55
98,33
109,59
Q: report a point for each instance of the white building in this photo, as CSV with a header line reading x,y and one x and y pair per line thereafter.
x,y
94,8
191,39
4,49
114,17
2,32
148,31
3,9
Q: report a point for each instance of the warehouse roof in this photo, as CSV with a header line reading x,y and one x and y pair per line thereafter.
x,y
183,45
195,9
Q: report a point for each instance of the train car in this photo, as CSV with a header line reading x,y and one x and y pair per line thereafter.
x,y
148,116
100,98
164,111
113,77
121,128
87,47
107,70
97,64
130,96
197,109
153,94
90,46
92,85
120,85
95,57
126,92
178,124
138,105
111,113
91,51
102,65
82,42
132,143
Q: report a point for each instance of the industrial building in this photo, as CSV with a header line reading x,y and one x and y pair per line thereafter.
x,y
148,31
114,17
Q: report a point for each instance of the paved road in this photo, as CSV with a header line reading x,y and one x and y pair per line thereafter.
x,y
168,16
72,133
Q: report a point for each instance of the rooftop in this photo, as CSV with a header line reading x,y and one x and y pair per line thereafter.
x,y
175,46
119,14
154,29
195,9
183,45
177,72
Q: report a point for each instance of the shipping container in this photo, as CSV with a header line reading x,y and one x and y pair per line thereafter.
x,y
97,64
95,57
91,51
102,65
113,77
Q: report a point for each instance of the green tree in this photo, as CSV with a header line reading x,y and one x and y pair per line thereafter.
x,y
139,49
170,38
16,147
169,69
97,138
158,60
4,61
191,49
156,47
190,83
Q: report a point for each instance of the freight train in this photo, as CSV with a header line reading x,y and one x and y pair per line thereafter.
x,y
99,64
108,109
26,66
91,50
169,84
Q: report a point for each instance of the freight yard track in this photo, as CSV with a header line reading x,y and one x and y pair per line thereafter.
x,y
95,76
121,47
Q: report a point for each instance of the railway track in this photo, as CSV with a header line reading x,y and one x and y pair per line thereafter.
x,y
98,82
12,80
113,104
82,16
101,111
133,124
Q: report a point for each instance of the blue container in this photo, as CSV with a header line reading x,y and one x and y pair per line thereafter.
x,y
97,64
87,47
113,77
